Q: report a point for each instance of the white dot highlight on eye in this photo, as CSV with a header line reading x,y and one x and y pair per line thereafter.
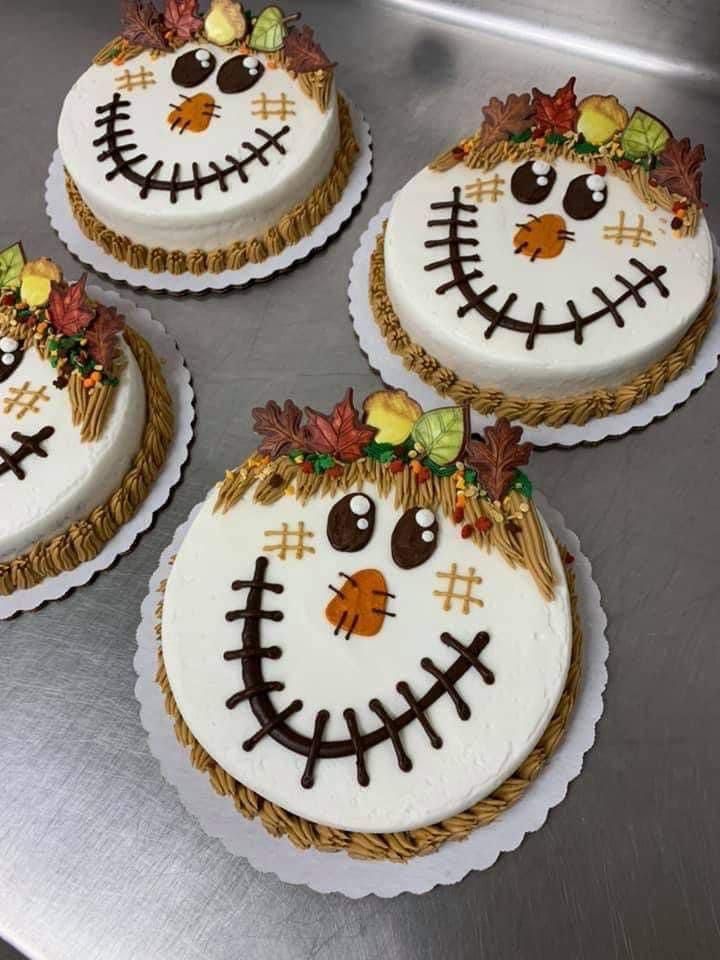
x,y
428,536
598,197
250,62
8,344
595,182
540,168
203,56
542,181
362,524
425,518
359,505
253,73
7,359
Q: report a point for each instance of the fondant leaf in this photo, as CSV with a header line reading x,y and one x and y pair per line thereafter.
x,y
556,113
181,19
280,429
142,24
497,457
442,434
503,120
342,434
393,414
644,136
102,334
679,170
68,308
303,54
12,261
269,31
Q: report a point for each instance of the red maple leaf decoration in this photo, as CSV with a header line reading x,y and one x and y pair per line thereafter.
x,y
102,333
302,54
679,170
280,429
342,434
556,113
142,24
69,310
498,456
181,19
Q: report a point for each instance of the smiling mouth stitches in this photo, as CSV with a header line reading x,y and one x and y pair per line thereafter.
x,y
111,113
462,279
273,722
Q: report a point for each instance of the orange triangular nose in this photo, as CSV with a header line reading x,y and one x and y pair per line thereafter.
x,y
194,114
359,605
541,238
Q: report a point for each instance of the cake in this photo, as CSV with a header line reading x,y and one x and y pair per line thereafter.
x,y
553,267
197,145
368,636
85,421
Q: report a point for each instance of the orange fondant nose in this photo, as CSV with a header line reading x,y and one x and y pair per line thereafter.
x,y
542,238
194,113
359,604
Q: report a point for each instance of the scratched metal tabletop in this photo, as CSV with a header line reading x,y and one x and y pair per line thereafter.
x,y
98,859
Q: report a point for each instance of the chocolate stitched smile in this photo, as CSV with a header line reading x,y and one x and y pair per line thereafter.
x,y
273,722
112,146
463,277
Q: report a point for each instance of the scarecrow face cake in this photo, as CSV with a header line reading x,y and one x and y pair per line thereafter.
x,y
380,640
560,250
72,421
197,136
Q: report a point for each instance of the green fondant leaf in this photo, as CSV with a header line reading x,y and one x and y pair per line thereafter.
x,y
521,137
555,138
382,452
438,470
523,484
644,136
269,31
323,463
470,477
584,146
12,261
442,434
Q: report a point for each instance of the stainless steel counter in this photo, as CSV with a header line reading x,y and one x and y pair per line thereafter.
x,y
98,859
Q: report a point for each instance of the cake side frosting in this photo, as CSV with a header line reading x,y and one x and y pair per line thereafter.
x,y
384,631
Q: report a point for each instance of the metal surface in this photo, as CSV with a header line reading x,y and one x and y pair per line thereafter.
x,y
97,857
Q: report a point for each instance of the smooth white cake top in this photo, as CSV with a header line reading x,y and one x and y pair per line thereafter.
x,y
225,128
74,477
584,272
528,652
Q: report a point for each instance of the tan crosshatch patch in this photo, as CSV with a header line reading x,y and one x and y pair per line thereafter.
x,y
22,400
266,107
291,541
490,189
455,581
130,81
620,232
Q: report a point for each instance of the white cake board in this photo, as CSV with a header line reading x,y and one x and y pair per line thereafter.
x,y
337,872
391,368
177,378
92,256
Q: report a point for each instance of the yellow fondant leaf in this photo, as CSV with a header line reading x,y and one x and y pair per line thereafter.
x,y
225,22
599,118
36,280
393,414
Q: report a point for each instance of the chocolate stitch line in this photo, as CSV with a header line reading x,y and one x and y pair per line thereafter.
x,y
501,318
272,722
29,445
148,181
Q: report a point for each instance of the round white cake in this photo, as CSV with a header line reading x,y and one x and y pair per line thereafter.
x,y
60,479
291,695
517,279
195,149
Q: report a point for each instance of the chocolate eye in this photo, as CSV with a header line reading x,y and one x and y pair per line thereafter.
x,y
585,196
11,354
533,181
351,523
193,68
239,74
414,538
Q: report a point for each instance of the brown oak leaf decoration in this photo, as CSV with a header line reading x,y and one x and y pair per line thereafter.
x,y
102,334
679,170
504,119
69,310
302,54
281,429
181,19
142,24
342,434
498,456
556,113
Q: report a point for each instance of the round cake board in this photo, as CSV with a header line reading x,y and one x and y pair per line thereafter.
x,y
177,377
391,368
337,872
92,256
